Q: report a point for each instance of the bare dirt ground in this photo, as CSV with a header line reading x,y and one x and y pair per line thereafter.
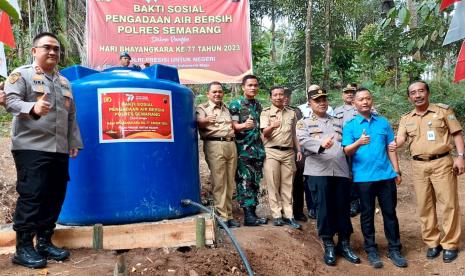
x,y
270,250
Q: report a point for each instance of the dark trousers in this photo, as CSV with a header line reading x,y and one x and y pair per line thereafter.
x,y
353,187
353,191
332,196
41,184
299,190
386,192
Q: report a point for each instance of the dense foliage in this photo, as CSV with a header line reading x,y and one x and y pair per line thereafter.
x,y
379,44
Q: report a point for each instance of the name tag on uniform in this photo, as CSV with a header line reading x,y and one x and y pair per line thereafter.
x,y
430,135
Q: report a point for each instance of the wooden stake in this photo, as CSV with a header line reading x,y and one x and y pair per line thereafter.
x,y
200,232
98,237
120,266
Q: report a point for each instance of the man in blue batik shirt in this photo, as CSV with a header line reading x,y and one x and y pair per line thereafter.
x,y
375,172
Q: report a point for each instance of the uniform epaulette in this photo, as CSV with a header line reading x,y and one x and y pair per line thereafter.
x,y
441,105
266,108
205,105
339,115
25,66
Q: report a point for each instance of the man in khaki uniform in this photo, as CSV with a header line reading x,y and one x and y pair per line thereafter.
x,y
278,128
215,127
429,130
300,191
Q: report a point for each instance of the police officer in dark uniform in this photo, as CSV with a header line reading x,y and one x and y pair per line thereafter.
x,y
328,176
45,135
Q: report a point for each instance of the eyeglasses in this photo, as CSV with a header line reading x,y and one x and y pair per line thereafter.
x,y
49,48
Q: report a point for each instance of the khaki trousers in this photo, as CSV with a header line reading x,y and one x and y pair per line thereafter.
x,y
279,168
435,181
221,158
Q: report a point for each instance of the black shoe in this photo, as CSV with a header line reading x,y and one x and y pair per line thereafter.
x,y
374,260
354,208
397,259
449,255
330,253
292,223
25,254
47,249
249,218
233,224
312,214
259,220
346,251
278,222
300,217
432,253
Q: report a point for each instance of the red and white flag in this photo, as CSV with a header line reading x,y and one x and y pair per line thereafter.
x,y
6,35
11,7
457,25
460,66
447,3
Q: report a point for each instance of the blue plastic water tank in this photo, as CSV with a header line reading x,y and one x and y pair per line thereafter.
x,y
125,178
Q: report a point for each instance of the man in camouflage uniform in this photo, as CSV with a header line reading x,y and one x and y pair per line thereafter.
x,y
245,113
45,135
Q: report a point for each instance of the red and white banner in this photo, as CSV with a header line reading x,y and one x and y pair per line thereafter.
x,y
135,115
207,40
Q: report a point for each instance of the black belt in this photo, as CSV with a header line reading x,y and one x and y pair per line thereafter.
x,y
281,148
430,158
222,139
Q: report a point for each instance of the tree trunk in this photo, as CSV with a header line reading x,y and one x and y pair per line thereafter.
x,y
411,6
387,5
308,47
327,59
273,34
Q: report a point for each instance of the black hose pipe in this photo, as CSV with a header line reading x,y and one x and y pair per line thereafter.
x,y
187,202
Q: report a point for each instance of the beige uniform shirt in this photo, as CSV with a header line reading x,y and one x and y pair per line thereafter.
x,y
55,132
431,133
223,126
319,162
283,136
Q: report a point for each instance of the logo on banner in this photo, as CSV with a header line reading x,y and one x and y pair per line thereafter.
x,y
142,115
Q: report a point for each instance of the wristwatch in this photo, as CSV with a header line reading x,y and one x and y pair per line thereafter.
x,y
461,155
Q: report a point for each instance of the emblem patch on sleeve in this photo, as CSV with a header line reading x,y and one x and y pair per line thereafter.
x,y
14,77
